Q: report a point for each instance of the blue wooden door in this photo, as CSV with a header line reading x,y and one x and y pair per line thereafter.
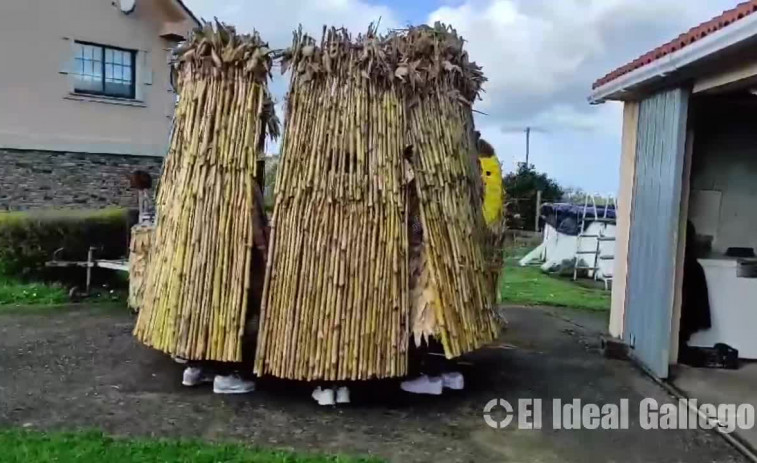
x,y
653,243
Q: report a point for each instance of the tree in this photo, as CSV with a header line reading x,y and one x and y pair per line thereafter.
x,y
573,195
521,188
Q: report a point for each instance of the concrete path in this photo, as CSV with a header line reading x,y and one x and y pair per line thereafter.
x,y
716,386
81,368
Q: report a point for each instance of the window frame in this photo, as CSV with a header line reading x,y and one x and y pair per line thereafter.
x,y
132,94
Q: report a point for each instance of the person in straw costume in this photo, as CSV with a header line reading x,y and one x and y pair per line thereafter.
x,y
206,265
236,377
433,371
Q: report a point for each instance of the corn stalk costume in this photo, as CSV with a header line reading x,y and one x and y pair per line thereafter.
x,y
199,272
341,297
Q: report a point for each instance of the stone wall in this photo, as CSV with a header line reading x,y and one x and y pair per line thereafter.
x,y
48,179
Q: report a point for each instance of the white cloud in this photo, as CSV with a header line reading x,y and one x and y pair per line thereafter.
x,y
277,19
540,56
564,117
578,148
521,54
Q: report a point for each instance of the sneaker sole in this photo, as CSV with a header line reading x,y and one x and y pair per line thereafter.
x,y
199,383
241,391
423,392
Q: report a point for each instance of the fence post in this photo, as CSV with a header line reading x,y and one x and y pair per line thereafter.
x,y
538,211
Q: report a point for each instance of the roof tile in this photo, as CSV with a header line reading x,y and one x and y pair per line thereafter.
x,y
687,38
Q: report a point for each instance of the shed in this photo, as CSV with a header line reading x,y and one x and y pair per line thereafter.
x,y
689,155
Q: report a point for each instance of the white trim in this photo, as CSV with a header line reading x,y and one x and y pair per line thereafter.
x,y
729,36
144,67
75,145
68,63
623,213
104,99
726,79
139,76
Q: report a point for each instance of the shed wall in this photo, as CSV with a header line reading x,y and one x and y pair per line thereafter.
x,y
654,230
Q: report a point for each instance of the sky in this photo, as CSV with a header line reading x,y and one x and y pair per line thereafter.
x,y
540,57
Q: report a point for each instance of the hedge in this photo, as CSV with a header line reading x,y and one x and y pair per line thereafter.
x,y
29,239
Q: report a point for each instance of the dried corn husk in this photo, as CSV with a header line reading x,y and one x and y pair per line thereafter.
x,y
338,303
139,248
199,272
441,84
335,299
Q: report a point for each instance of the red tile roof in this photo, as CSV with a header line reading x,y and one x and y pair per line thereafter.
x,y
695,33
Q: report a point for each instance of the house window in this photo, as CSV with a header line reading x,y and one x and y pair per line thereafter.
x,y
101,70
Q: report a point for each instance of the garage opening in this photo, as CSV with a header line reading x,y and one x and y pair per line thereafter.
x,y
717,321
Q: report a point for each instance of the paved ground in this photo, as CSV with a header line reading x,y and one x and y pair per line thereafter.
x,y
82,369
721,387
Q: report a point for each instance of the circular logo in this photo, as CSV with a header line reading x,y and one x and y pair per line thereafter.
x,y
491,422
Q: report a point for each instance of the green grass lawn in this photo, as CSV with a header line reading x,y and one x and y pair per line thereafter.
x,y
94,447
14,292
531,286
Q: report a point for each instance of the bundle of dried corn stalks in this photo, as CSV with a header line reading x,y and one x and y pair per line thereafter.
x,y
440,86
139,248
336,288
337,302
198,276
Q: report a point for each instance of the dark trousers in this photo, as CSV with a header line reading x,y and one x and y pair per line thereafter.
x,y
428,359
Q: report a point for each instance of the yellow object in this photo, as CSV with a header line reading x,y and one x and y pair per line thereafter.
x,y
494,191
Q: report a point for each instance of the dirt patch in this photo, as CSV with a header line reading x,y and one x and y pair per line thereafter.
x,y
81,369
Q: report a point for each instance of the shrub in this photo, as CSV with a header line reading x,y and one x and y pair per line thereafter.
x,y
521,188
29,239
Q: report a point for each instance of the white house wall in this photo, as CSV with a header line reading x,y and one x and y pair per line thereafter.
x,y
39,110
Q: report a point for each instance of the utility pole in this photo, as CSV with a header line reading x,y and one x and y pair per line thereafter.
x,y
528,144
527,130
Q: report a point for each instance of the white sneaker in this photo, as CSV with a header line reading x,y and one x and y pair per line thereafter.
x,y
343,395
232,384
324,396
423,385
194,376
453,380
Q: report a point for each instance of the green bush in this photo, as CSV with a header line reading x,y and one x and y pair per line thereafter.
x,y
29,239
